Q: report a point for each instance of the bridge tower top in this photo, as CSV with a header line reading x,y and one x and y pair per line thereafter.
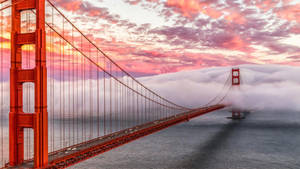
x,y
236,80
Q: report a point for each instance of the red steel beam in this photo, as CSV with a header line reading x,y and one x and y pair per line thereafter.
x,y
83,151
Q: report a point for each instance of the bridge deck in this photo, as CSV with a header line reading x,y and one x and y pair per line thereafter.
x,y
80,152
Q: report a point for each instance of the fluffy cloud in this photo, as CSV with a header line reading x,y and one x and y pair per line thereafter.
x,y
193,35
85,8
191,8
264,87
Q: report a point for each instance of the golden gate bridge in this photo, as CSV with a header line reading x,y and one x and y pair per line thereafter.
x,y
69,101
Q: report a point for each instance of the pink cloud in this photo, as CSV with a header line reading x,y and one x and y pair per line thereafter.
x,y
88,9
265,5
290,12
295,29
235,43
193,7
235,30
133,2
70,5
235,17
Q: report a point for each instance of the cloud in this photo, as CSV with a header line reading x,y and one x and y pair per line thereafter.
x,y
191,37
183,43
133,2
264,87
191,8
199,26
240,24
289,12
86,8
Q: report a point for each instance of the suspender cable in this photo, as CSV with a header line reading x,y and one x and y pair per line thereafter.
x,y
52,68
84,96
63,84
73,89
116,104
82,92
110,101
2,89
70,86
98,100
91,94
137,106
104,100
60,93
77,80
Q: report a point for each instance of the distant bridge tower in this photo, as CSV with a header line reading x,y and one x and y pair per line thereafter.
x,y
236,81
235,73
37,120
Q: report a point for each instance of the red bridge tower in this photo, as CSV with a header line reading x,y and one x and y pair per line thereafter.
x,y
37,120
236,81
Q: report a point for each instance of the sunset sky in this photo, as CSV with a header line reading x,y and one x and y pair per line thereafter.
x,y
160,36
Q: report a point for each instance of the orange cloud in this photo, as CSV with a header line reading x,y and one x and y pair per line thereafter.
x,y
193,7
290,13
265,5
235,17
212,12
236,43
70,5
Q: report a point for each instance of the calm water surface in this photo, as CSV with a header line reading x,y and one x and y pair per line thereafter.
x,y
264,140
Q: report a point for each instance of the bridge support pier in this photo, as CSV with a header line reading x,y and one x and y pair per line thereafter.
x,y
236,115
37,120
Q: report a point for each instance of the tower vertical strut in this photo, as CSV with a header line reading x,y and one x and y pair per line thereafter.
x,y
18,120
